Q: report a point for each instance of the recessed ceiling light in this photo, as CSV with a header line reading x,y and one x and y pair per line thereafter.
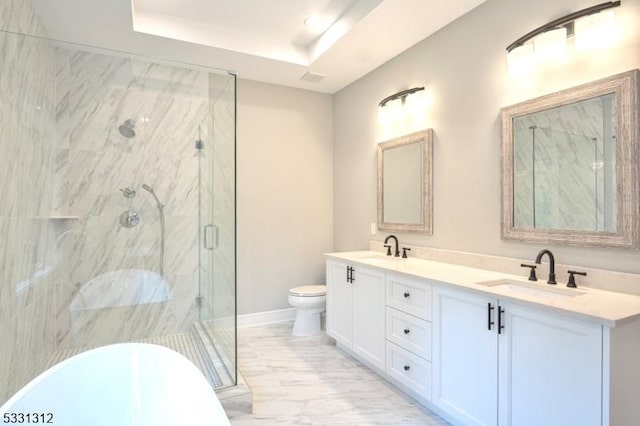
x,y
317,23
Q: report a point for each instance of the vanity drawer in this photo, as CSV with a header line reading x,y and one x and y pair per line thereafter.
x,y
409,369
409,332
408,295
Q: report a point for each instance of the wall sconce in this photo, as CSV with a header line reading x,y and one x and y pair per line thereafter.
x,y
401,113
400,95
590,28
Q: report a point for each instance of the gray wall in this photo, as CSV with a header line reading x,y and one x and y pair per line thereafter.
x,y
284,192
464,69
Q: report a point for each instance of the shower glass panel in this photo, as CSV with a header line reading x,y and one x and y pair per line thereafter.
x,y
217,225
28,230
119,220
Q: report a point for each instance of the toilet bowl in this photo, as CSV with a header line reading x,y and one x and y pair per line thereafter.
x,y
310,302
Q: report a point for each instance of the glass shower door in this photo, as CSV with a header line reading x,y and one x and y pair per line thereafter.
x,y
217,300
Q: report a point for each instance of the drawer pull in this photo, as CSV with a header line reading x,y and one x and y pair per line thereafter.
x,y
407,331
406,368
407,294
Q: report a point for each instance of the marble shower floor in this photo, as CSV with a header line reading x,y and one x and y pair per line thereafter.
x,y
308,381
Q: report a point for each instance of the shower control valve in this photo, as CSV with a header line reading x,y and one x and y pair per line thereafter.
x,y
129,218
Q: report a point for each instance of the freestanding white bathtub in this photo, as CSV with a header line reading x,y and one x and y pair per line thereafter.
x,y
128,384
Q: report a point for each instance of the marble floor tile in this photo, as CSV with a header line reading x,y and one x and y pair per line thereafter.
x,y
308,381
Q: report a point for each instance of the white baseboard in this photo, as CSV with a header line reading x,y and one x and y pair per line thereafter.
x,y
268,317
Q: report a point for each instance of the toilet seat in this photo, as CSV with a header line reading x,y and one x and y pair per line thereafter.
x,y
309,291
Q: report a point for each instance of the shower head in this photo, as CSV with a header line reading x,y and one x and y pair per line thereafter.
x,y
127,129
152,192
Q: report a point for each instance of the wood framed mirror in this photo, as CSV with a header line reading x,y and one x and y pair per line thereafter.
x,y
405,193
570,166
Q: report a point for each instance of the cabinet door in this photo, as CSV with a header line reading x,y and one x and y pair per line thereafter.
x,y
550,369
369,316
339,303
465,356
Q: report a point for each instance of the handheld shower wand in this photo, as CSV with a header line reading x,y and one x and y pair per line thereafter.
x,y
152,192
161,214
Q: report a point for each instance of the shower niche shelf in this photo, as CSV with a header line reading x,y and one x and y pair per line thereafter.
x,y
62,217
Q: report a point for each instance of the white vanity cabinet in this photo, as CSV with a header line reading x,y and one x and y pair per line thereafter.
x,y
356,310
408,334
501,363
479,357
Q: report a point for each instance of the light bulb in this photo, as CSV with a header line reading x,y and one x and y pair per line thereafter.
x,y
595,31
520,60
550,45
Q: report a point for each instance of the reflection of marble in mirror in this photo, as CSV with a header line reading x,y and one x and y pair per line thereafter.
x,y
565,167
404,183
569,166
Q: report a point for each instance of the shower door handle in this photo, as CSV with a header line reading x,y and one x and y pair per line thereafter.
x,y
214,230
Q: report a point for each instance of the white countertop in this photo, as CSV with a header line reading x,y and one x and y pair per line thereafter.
x,y
603,307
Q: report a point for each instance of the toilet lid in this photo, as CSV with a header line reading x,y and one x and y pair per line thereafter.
x,y
309,290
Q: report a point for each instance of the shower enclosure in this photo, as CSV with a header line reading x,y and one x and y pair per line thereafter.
x,y
118,214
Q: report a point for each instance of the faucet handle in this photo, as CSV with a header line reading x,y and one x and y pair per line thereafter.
x,y
128,192
532,271
388,249
572,280
404,252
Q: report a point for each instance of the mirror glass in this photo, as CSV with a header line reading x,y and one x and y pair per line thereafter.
x,y
569,169
404,183
564,172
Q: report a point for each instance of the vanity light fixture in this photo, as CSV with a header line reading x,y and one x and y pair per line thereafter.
x,y
401,114
593,27
400,95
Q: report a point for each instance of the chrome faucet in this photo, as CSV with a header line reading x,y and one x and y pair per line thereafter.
x,y
386,240
552,264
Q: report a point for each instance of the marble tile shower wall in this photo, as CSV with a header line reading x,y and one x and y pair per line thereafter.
x,y
18,16
96,94
27,235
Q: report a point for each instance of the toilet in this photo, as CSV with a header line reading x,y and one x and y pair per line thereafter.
x,y
310,302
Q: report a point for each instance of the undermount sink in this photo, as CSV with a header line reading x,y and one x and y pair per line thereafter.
x,y
532,289
382,259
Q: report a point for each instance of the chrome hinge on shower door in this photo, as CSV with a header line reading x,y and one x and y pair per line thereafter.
x,y
198,301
